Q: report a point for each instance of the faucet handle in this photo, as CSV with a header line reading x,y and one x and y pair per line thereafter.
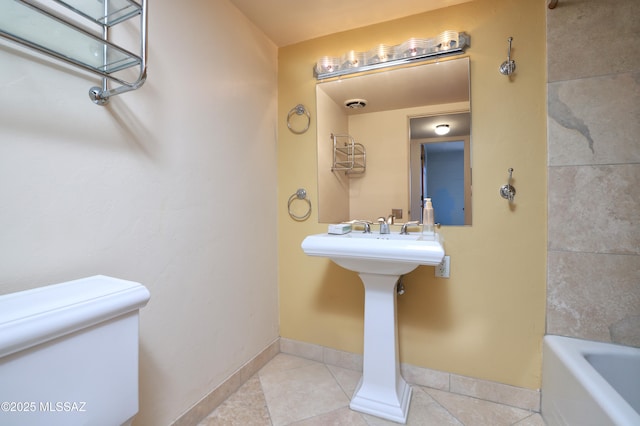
x,y
365,223
404,231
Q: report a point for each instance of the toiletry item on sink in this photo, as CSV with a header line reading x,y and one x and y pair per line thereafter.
x,y
340,228
427,217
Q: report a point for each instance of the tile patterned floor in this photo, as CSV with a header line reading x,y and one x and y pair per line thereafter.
x,y
295,391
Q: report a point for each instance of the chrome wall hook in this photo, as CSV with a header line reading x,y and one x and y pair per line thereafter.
x,y
508,66
507,191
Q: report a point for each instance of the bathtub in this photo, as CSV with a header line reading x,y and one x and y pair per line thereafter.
x,y
589,383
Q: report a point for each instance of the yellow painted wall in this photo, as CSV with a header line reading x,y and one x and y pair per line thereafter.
x,y
487,320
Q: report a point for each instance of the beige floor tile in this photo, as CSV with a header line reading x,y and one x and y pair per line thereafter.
x,y
340,417
284,362
299,393
425,410
346,378
534,419
293,391
246,407
476,412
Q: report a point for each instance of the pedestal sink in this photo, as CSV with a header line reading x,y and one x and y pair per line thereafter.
x,y
380,260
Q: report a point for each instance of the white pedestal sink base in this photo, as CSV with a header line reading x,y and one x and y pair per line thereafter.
x,y
390,407
380,259
382,391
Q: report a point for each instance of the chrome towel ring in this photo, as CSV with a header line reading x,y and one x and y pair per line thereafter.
x,y
300,194
298,110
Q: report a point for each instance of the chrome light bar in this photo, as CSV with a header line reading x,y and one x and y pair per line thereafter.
x,y
381,56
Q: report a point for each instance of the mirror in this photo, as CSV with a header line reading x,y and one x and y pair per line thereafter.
x,y
392,114
440,167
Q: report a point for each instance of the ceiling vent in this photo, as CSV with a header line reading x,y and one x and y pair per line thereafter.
x,y
355,103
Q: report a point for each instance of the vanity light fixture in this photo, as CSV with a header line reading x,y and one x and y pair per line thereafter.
x,y
381,56
442,129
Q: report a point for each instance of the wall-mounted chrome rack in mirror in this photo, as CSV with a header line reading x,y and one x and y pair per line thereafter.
x,y
348,155
77,32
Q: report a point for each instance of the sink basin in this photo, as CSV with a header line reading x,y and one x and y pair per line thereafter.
x,y
379,260
389,254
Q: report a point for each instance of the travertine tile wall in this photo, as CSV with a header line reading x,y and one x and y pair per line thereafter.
x,y
593,282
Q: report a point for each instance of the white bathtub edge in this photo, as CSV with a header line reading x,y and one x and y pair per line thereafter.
x,y
568,379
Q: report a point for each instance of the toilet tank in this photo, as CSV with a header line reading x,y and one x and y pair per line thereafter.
x,y
69,353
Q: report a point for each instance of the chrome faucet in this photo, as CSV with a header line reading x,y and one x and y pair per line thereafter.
x,y
403,230
384,225
365,223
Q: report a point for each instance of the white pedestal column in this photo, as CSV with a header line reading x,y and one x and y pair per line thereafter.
x,y
382,391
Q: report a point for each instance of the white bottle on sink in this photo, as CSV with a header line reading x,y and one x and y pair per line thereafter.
x,y
427,217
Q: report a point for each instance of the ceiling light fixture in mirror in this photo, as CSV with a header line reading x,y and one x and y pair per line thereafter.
x,y
412,50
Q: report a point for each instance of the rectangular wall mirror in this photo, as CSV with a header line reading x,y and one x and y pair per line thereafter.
x,y
393,115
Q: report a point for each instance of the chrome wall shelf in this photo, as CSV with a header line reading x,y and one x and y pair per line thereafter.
x,y
348,155
77,32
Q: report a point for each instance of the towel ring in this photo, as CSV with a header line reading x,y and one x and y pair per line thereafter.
x,y
298,110
300,194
